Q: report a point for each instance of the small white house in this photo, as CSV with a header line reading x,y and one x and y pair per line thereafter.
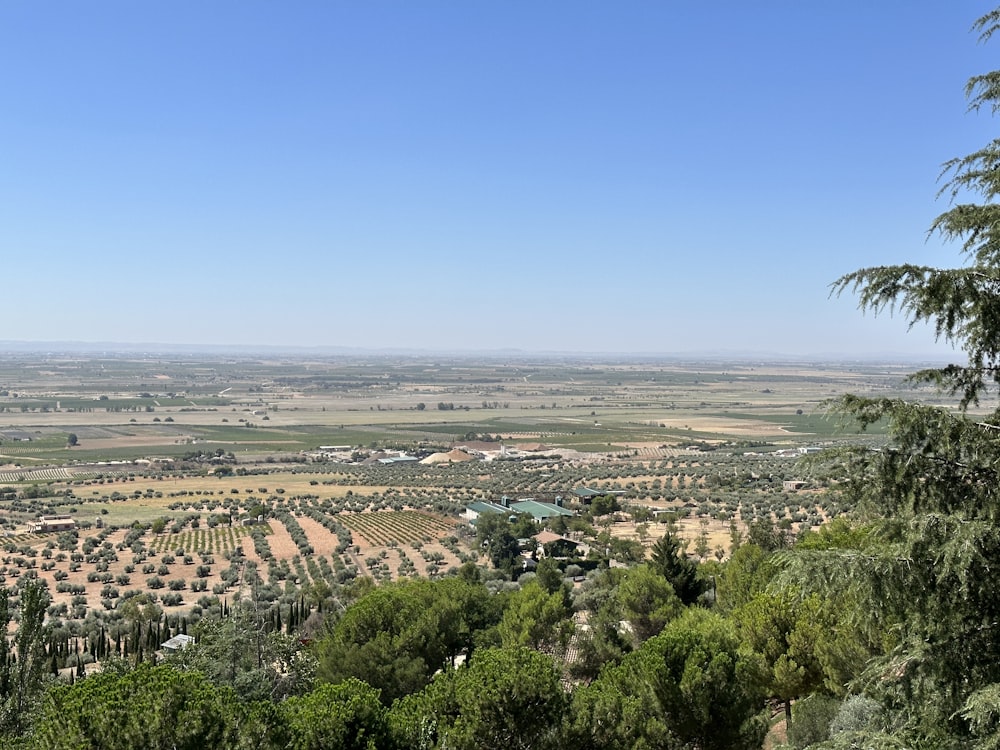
x,y
177,643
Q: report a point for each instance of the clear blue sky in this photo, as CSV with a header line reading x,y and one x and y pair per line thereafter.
x,y
581,176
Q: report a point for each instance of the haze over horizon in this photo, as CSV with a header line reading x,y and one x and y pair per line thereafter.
x,y
559,177
157,349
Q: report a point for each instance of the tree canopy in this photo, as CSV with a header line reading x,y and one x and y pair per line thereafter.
x,y
932,495
398,635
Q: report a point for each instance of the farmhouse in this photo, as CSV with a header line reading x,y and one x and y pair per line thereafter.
x,y
586,494
787,453
51,523
540,511
472,512
177,643
556,545
402,459
793,485
18,436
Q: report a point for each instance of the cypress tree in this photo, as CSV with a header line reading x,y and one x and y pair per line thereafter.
x,y
670,561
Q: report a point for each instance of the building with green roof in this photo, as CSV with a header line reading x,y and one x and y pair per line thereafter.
x,y
539,510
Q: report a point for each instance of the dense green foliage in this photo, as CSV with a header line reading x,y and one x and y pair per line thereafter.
x,y
398,635
21,662
692,686
924,572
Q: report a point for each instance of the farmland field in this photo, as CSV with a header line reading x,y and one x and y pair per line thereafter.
x,y
219,540
383,528
160,461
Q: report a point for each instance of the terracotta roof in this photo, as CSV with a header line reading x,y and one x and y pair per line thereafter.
x,y
546,536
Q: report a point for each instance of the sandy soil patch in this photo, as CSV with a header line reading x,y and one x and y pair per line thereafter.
x,y
740,427
321,538
131,441
689,529
429,560
280,542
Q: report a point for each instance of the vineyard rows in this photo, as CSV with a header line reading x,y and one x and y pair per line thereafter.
x,y
217,540
38,475
400,527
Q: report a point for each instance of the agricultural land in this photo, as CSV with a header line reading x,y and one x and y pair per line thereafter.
x,y
164,463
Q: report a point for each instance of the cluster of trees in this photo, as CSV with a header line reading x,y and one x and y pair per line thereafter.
x,y
446,663
665,654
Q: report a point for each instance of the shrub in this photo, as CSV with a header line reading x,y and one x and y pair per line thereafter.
x,y
856,713
811,719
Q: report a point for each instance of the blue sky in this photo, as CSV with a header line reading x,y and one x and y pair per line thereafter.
x,y
573,176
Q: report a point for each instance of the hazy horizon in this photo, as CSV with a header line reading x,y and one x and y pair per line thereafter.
x,y
706,355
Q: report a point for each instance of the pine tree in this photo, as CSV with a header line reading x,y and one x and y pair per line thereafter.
x,y
670,561
926,579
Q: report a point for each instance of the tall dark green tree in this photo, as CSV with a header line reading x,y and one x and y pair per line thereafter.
x,y
647,602
927,574
23,661
786,631
670,561
495,535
